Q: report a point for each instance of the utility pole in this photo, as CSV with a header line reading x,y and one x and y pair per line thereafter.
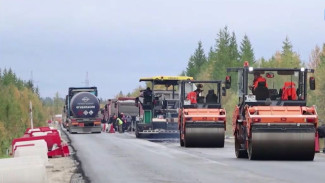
x,y
31,77
31,114
32,80
87,80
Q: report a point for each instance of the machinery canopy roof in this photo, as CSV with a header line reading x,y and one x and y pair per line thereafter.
x,y
171,80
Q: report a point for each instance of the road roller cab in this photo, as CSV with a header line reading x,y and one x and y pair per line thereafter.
x,y
160,103
272,120
201,120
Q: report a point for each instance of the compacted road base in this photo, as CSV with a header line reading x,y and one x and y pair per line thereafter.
x,y
123,158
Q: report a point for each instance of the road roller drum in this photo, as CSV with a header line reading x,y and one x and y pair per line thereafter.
x,y
204,134
282,142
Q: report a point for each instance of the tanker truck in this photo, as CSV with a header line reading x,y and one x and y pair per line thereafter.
x,y
81,110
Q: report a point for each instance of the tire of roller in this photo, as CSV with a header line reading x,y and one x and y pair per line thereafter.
x,y
239,152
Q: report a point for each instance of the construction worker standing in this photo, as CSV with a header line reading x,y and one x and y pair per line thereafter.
x,y
123,118
120,124
192,96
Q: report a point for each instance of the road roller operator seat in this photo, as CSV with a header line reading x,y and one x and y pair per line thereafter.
x,y
211,97
261,92
147,99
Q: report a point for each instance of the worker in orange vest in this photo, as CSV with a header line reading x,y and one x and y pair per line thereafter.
x,y
257,78
192,96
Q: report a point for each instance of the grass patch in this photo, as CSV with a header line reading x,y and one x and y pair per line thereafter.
x,y
4,156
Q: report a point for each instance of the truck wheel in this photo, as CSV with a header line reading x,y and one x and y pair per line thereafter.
x,y
137,134
239,152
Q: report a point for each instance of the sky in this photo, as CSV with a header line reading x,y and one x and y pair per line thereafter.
x,y
56,43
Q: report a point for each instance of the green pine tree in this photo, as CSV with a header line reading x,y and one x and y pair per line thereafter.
x,y
246,51
183,73
226,53
287,47
190,70
233,50
196,61
289,58
211,54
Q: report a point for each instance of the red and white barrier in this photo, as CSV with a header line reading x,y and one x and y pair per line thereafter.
x,y
31,148
23,170
55,146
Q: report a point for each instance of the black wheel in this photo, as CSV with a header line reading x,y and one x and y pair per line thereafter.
x,y
136,131
137,134
240,153
250,150
180,139
69,130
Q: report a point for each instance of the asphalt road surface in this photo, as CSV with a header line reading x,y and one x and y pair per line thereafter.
x,y
111,158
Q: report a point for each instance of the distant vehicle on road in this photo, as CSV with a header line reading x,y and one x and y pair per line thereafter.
x,y
160,106
81,109
58,118
125,105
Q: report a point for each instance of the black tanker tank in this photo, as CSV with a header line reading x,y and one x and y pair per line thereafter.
x,y
84,105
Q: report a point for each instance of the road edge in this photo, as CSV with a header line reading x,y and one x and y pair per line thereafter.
x,y
74,155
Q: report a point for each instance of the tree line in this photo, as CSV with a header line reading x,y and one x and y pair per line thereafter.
x,y
226,53
15,95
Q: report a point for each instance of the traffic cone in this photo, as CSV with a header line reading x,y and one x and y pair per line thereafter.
x,y
111,130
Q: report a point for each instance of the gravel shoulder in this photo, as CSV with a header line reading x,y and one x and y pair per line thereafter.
x,y
65,169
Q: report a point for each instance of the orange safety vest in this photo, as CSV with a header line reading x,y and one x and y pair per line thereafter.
x,y
259,79
289,90
192,97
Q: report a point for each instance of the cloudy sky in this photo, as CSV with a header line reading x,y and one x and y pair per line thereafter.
x,y
118,41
